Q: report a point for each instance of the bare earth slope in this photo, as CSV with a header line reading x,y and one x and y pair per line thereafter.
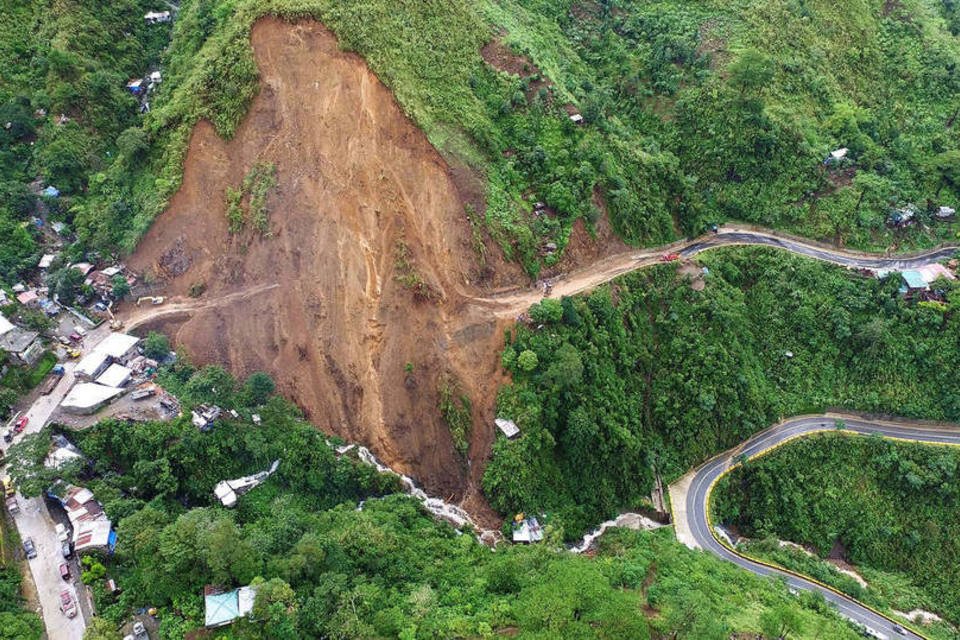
x,y
355,178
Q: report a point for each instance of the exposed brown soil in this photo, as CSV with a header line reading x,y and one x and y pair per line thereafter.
x,y
499,56
355,179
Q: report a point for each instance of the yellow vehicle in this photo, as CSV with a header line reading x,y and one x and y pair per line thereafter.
x,y
73,353
8,488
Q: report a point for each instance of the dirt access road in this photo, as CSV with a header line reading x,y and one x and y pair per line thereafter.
x,y
365,298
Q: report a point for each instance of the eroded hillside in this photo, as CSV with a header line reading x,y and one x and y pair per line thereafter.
x,y
364,210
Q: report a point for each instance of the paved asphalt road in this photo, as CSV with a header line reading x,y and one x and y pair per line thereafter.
x,y
34,520
705,477
846,259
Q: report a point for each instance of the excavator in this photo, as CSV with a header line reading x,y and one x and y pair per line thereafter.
x,y
115,324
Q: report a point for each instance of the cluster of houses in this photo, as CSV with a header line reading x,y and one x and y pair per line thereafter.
x,y
907,215
92,529
104,372
916,283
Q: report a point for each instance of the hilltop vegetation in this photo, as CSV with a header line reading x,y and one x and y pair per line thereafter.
x,y
648,374
331,568
694,113
892,507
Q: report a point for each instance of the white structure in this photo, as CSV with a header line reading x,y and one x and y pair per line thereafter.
x,y
839,154
91,527
527,530
156,77
5,325
946,212
576,118
221,608
118,346
87,397
116,375
156,17
47,260
91,365
508,427
227,491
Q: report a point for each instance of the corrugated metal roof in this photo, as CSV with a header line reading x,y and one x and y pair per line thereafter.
x,y
914,279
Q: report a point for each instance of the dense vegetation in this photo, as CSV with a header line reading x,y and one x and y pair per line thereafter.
x,y
648,374
693,112
15,622
331,568
892,506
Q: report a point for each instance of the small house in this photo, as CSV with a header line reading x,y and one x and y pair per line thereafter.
x,y
204,416
23,347
51,192
913,281
119,346
156,17
86,398
945,213
223,607
28,298
47,260
83,267
135,86
116,375
508,427
527,529
576,118
836,156
91,366
155,77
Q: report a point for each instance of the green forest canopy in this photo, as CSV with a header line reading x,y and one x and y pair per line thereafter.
x,y
694,112
892,506
648,374
328,568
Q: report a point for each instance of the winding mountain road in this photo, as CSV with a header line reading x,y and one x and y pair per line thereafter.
x,y
514,301
696,517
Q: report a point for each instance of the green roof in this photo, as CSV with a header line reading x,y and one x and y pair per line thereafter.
x,y
914,279
220,609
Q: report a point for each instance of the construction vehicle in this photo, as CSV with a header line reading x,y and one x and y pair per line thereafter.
x,y
115,324
153,300
9,489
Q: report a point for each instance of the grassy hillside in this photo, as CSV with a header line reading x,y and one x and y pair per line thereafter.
x,y
647,373
694,113
893,507
329,568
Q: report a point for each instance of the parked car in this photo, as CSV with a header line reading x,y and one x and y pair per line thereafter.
x,y
67,605
12,505
63,341
8,435
65,549
899,629
20,424
65,571
75,337
100,306
670,257
62,534
29,548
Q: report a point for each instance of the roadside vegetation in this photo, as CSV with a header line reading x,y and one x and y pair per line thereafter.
x,y
883,505
646,374
692,113
338,553
16,621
